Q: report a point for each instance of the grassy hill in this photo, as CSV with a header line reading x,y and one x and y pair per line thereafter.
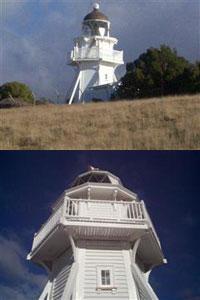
x,y
166,123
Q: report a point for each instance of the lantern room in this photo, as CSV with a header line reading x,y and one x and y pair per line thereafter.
x,y
96,176
96,23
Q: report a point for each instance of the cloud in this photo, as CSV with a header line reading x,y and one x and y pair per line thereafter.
x,y
37,36
23,292
18,281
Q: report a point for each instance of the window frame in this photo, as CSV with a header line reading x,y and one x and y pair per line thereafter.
x,y
101,286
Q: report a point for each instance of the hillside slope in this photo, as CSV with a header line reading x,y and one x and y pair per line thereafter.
x,y
167,123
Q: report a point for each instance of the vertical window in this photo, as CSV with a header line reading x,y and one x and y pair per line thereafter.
x,y
105,277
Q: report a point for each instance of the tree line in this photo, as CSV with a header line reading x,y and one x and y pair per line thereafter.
x,y
159,72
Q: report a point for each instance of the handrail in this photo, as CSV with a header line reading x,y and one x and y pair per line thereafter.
x,y
104,200
54,211
118,210
151,224
47,227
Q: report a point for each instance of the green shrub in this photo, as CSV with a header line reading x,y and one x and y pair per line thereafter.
x,y
16,90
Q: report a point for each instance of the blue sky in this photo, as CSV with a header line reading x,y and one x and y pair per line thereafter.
x,y
36,35
168,182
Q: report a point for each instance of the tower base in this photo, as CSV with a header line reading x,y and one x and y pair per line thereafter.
x,y
94,94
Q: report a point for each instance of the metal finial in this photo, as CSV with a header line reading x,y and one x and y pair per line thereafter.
x,y
91,168
96,6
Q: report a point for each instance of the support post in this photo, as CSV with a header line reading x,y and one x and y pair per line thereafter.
x,y
75,88
73,246
68,292
46,292
135,247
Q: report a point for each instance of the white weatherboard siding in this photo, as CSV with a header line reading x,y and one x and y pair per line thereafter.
x,y
105,253
61,270
88,76
106,74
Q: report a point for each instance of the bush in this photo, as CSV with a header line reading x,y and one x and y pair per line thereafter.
x,y
16,90
158,72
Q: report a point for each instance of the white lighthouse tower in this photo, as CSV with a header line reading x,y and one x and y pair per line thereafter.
x,y
95,59
98,243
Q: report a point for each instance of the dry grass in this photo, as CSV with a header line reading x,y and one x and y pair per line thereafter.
x,y
168,123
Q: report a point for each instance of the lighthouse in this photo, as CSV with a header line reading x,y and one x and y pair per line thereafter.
x,y
94,59
98,243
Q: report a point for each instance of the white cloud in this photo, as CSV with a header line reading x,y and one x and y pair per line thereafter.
x,y
19,282
23,292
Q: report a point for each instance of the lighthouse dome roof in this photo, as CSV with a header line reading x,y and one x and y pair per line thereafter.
x,y
96,15
96,176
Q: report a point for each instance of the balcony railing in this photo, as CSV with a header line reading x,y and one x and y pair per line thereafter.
x,y
48,226
85,210
107,211
96,53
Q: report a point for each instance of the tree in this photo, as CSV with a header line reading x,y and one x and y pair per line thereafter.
x,y
16,90
196,75
156,72
187,82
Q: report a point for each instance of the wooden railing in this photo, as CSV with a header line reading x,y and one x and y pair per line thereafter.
x,y
95,210
151,224
104,211
48,226
96,53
